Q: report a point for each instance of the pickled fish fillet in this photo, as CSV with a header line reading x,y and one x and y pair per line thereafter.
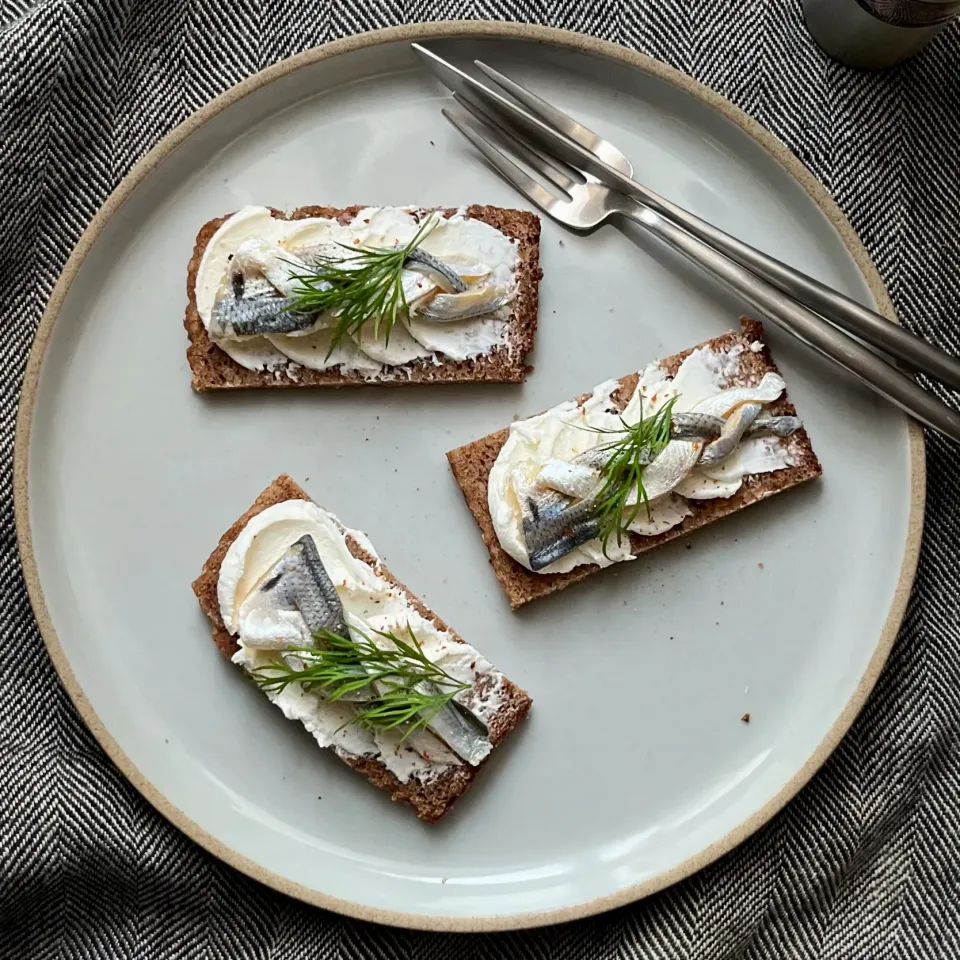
x,y
555,525
460,730
430,264
579,477
473,302
558,515
256,297
259,294
300,581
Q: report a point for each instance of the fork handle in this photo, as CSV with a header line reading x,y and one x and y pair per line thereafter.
x,y
889,337
803,324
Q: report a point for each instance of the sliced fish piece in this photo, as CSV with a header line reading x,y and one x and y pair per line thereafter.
x,y
694,426
783,426
556,523
578,478
249,302
553,526
460,730
317,255
463,732
734,428
723,404
456,273
668,468
421,284
300,581
417,286
574,478
256,316
474,302
279,266
679,457
250,285
470,271
450,279
703,426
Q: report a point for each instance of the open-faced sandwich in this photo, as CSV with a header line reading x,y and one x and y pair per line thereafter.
x,y
637,462
338,297
306,608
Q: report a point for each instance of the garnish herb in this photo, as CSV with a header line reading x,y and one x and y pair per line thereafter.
x,y
638,445
403,687
365,284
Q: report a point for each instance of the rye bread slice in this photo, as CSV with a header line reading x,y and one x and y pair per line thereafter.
x,y
214,370
471,465
430,801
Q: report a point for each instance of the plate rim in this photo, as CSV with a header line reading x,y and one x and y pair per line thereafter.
x,y
427,31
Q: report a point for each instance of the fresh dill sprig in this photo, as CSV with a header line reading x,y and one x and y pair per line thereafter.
x,y
622,473
365,284
404,687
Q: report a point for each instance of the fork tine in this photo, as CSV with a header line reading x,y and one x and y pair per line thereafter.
x,y
543,135
562,121
504,165
551,173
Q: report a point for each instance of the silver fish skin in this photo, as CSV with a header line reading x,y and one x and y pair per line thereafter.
x,y
451,279
734,427
279,266
695,426
247,304
300,582
459,729
256,316
258,294
559,518
702,426
473,302
554,525
463,732
579,477
679,457
783,426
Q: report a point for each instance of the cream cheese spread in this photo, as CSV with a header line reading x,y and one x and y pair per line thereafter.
x,y
468,245
571,429
372,606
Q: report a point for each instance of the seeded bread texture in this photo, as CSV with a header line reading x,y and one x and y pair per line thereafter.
x,y
214,370
471,465
430,802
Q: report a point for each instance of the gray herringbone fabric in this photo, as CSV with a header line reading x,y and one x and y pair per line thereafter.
x,y
864,863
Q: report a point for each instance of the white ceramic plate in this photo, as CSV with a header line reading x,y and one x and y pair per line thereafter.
x,y
634,768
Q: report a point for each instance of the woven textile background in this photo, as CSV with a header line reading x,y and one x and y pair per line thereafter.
x,y
864,863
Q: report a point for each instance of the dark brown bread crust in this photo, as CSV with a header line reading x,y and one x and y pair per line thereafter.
x,y
471,465
429,802
214,370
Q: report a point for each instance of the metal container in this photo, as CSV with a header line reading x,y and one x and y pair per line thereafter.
x,y
873,34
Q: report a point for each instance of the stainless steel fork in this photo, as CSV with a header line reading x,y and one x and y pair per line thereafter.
x,y
577,199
